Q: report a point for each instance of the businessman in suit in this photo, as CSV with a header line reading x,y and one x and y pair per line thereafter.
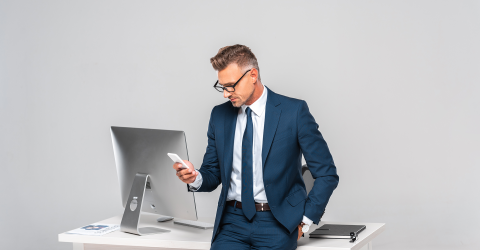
x,y
255,146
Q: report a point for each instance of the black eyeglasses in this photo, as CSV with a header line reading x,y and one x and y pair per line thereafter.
x,y
220,88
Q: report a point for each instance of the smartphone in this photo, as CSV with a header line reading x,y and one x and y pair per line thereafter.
x,y
177,159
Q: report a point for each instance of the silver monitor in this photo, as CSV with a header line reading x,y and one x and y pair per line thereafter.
x,y
147,179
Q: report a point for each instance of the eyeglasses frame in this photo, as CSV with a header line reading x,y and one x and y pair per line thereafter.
x,y
233,86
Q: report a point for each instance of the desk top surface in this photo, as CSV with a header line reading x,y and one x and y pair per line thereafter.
x,y
184,237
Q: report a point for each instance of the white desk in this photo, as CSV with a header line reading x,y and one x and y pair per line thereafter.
x,y
183,237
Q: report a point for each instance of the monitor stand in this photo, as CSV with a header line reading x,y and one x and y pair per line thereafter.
x,y
164,218
133,209
192,223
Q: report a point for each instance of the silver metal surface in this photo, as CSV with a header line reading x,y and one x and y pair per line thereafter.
x,y
196,224
132,213
152,230
164,218
144,151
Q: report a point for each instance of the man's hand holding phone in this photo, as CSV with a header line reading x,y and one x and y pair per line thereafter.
x,y
187,173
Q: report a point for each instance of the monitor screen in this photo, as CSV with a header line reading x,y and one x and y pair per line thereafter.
x,y
139,150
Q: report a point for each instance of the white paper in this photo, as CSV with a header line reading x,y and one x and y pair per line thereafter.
x,y
95,229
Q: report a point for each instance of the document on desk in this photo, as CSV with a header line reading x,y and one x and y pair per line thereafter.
x,y
95,229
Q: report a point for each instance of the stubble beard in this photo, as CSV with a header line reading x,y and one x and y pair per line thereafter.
x,y
238,104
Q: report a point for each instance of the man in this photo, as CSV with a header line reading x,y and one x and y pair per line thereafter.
x,y
255,146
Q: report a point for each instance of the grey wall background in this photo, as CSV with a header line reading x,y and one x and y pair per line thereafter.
x,y
394,86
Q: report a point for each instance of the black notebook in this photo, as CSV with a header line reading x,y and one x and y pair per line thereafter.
x,y
333,231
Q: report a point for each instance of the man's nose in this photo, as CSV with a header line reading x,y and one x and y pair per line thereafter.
x,y
226,94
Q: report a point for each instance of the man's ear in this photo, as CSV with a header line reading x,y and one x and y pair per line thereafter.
x,y
254,74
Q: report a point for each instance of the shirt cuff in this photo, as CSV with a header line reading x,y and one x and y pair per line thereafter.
x,y
307,221
194,186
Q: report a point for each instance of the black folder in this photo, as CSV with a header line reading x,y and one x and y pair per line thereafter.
x,y
333,231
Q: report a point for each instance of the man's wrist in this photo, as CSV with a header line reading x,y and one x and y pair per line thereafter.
x,y
195,185
305,224
304,227
307,221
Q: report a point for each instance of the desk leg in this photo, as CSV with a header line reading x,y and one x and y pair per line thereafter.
x,y
78,246
368,246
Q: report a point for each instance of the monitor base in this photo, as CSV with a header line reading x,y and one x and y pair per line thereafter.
x,y
164,218
152,230
133,208
192,223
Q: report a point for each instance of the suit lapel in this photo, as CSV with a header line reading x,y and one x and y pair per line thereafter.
x,y
230,124
272,116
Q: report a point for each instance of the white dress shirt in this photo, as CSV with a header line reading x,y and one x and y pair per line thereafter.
x,y
258,120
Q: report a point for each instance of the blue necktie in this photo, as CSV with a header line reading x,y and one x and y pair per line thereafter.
x,y
248,204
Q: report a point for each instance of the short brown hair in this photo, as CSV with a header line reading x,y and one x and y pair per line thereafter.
x,y
239,54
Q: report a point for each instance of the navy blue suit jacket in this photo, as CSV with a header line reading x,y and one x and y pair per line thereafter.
x,y
289,131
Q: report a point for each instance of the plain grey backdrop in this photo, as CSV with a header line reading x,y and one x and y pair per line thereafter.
x,y
394,86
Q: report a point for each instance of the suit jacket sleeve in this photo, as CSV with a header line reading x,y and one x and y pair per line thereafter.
x,y
210,168
319,161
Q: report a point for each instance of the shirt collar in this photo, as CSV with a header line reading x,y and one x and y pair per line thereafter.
x,y
258,107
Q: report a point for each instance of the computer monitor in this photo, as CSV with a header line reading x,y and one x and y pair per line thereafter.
x,y
147,179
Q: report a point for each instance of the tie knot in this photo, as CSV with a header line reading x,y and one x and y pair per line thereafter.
x,y
248,111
